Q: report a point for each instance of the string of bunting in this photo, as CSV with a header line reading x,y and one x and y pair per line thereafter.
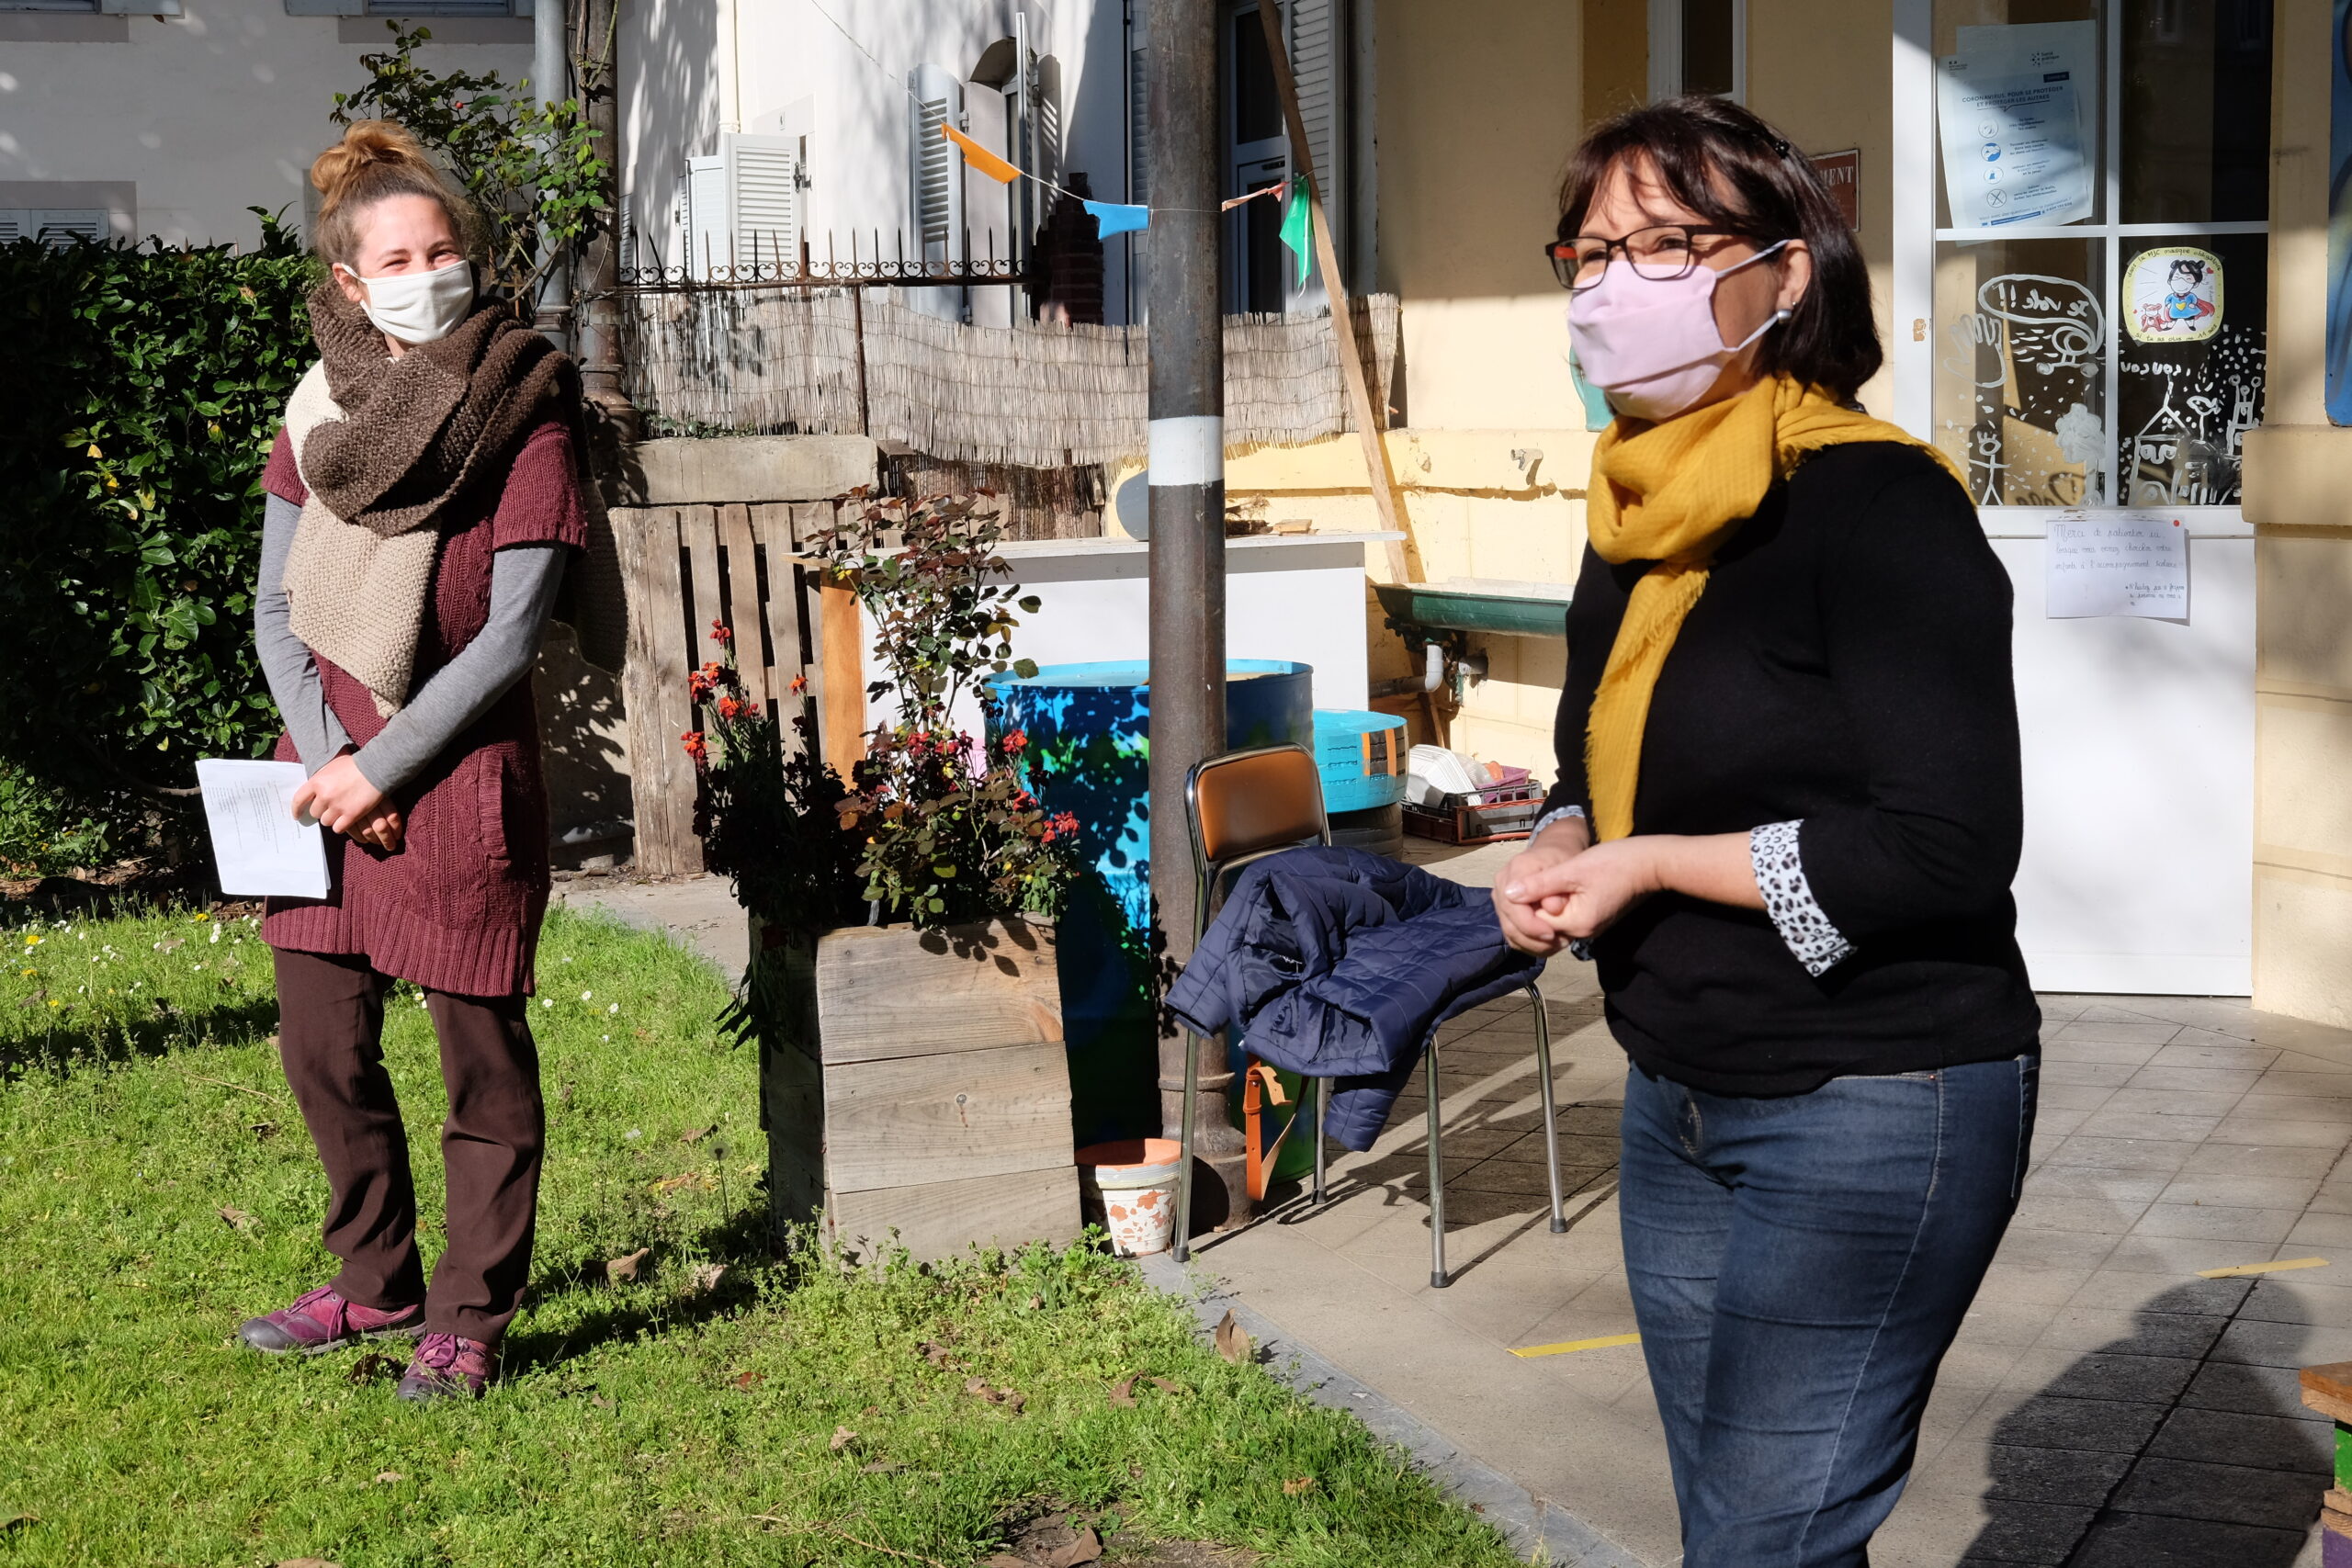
x,y
1110,217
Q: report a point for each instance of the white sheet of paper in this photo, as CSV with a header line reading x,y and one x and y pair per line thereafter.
x,y
2014,109
2119,563
257,846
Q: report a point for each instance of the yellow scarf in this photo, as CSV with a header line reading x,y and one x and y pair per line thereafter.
x,y
1673,493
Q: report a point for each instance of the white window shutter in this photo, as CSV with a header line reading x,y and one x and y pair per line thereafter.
x,y
139,7
1138,116
56,227
764,201
935,165
12,226
709,246
1319,62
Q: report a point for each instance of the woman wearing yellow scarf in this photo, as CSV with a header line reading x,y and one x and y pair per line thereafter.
x,y
1787,817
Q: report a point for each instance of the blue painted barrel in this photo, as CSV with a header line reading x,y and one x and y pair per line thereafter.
x,y
1089,753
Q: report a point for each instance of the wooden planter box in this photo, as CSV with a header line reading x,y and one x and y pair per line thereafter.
x,y
916,1082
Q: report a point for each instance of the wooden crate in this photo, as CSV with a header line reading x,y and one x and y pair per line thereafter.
x,y
916,1083
687,566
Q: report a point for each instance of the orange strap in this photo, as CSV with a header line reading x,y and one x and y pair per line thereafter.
x,y
1259,1165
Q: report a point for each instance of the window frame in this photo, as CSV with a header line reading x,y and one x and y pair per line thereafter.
x,y
1666,50
1917,172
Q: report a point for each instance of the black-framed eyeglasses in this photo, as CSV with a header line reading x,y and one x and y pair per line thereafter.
x,y
1660,255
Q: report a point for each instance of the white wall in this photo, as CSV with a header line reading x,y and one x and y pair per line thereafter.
x,y
2139,784
693,68
207,113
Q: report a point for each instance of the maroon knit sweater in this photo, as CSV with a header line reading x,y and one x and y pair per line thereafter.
x,y
458,908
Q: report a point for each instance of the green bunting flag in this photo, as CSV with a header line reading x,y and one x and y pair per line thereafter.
x,y
1295,233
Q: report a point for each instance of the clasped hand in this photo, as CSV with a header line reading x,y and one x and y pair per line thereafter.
x,y
339,797
1563,887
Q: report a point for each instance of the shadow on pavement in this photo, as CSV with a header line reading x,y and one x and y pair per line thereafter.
x,y
2151,1452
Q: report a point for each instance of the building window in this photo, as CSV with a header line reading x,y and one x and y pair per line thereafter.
x,y
83,7
2101,253
440,8
55,226
1699,46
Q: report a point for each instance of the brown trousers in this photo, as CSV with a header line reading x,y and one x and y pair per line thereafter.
x,y
331,1026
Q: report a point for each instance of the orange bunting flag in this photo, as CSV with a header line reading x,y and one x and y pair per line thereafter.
x,y
980,157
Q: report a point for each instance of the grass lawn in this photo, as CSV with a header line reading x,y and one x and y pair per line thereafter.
x,y
156,1184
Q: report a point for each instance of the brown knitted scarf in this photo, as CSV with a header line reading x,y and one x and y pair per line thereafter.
x,y
385,445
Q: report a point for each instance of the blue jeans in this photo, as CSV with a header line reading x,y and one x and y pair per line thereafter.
x,y
1799,1266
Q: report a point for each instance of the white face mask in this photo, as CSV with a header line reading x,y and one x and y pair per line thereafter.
x,y
419,307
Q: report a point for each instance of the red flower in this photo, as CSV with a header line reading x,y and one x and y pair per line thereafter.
x,y
719,634
1015,740
799,684
1066,821
695,746
729,709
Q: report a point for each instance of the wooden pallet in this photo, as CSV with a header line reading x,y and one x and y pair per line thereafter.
x,y
739,566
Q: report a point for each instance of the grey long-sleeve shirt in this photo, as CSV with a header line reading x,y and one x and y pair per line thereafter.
x,y
522,583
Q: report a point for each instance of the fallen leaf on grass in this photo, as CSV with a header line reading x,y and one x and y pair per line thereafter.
x,y
699,1134
386,1477
238,1219
880,1467
1006,1560
1010,1399
1232,1339
938,1356
1122,1393
747,1379
709,1276
1299,1486
1087,1548
625,1270
173,944
11,1523
843,1437
1164,1386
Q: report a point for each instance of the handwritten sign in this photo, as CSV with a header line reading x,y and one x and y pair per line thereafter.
x,y
2119,563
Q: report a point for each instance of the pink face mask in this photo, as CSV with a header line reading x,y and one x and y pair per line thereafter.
x,y
1652,346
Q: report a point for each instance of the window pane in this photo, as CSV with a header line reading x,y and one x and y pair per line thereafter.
x,y
1979,28
1257,110
2190,355
2020,370
2195,111
1707,46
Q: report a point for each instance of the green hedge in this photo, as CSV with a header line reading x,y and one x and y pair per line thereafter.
x,y
139,389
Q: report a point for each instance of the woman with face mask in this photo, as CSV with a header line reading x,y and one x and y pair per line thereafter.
x,y
1787,817
425,498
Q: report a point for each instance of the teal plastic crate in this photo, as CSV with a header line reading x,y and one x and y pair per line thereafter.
x,y
1361,756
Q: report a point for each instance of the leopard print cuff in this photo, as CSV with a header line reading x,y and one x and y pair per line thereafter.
x,y
1788,898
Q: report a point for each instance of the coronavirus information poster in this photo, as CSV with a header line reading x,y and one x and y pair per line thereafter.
x,y
2016,106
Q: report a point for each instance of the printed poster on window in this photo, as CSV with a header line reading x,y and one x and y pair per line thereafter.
x,y
2173,294
2015,108
2339,216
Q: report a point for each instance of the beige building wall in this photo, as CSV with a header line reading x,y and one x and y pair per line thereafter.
x,y
2298,479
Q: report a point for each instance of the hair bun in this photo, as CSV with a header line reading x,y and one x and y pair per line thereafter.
x,y
366,143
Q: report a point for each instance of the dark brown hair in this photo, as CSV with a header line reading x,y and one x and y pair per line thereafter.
x,y
1735,170
376,159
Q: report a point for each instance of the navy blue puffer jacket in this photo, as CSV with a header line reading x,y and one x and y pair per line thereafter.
x,y
1340,964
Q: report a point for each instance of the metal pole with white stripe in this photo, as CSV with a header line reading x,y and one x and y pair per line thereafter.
x,y
1187,511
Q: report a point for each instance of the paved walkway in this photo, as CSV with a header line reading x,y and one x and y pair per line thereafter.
x,y
2103,1406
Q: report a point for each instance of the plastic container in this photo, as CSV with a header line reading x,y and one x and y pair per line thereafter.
x,y
1360,757
1380,830
1128,1188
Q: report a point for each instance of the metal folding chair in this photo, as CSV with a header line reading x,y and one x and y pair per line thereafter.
x,y
1243,806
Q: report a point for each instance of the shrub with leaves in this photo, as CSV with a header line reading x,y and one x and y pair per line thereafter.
x,y
140,389
952,835
769,812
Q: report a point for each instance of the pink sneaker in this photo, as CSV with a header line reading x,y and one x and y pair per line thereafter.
x,y
320,1321
448,1364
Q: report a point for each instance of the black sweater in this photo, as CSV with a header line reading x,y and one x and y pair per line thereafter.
x,y
1848,667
